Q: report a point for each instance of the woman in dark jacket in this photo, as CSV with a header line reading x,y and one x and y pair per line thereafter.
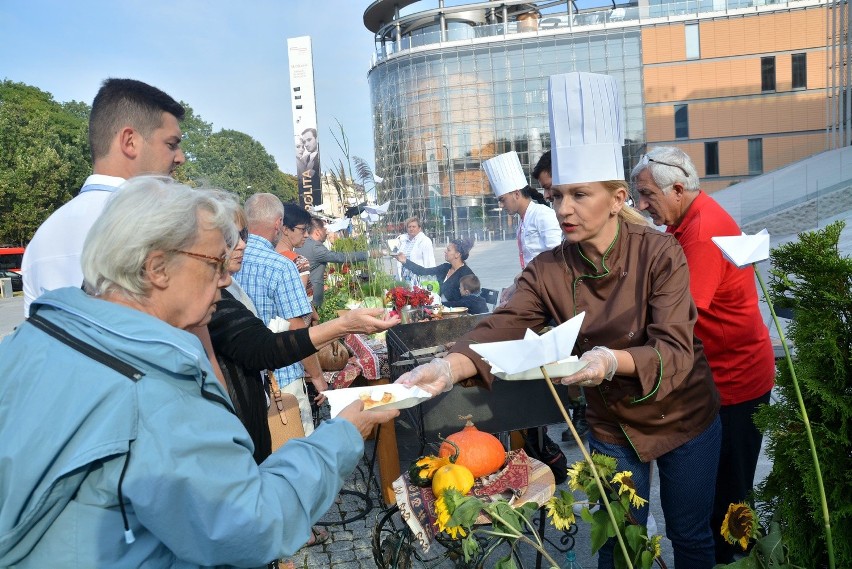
x,y
244,347
450,273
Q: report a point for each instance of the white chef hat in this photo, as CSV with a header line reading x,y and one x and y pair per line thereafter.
x,y
505,173
586,128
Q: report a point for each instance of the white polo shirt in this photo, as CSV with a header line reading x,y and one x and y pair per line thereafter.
x,y
52,258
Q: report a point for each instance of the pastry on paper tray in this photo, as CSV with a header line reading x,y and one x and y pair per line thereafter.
x,y
376,397
388,396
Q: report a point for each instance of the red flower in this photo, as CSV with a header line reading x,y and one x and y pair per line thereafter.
x,y
400,297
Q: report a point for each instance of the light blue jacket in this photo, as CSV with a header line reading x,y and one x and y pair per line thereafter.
x,y
192,493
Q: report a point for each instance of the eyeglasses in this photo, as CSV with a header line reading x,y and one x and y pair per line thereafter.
x,y
220,263
244,234
645,159
302,228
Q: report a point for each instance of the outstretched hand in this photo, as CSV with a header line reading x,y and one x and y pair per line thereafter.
x,y
366,421
368,320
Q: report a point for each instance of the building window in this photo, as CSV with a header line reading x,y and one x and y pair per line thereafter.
x,y
693,43
298,107
296,89
767,73
681,114
800,71
755,156
711,158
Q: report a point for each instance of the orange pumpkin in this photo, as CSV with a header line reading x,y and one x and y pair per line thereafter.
x,y
482,453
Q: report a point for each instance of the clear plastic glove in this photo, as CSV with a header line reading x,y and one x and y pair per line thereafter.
x,y
436,377
602,365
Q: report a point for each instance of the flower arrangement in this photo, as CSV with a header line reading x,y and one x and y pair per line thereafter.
x,y
400,296
457,515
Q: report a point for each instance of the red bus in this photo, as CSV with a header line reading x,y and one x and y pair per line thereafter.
x,y
11,258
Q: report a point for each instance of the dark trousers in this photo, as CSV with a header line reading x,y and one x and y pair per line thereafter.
x,y
737,462
687,476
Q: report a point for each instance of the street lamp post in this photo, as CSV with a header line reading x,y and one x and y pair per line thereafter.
x,y
452,191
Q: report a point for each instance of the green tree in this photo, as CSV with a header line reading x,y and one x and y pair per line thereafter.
x,y
815,279
44,157
233,161
195,133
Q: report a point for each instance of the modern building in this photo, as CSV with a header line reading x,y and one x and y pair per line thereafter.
x,y
743,86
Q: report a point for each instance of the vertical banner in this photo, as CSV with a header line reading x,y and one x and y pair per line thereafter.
x,y
304,106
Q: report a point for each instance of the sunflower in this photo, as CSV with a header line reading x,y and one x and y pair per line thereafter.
x,y
625,481
561,510
443,519
740,524
655,545
574,474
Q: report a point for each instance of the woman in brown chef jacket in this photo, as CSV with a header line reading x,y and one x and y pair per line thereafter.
x,y
649,388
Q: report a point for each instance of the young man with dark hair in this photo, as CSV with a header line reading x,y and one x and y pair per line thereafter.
x,y
542,172
133,129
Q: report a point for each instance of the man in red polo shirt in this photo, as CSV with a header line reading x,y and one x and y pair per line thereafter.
x,y
736,341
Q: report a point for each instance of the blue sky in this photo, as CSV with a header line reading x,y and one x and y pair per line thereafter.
x,y
226,59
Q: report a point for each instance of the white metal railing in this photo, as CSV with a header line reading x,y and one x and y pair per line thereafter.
x,y
563,21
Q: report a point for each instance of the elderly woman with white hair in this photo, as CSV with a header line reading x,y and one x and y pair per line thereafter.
x,y
143,462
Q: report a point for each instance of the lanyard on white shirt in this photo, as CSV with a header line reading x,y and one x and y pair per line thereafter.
x,y
97,188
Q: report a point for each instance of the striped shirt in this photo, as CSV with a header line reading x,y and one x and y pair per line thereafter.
x,y
273,284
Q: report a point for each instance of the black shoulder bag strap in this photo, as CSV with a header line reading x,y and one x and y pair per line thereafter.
x,y
87,350
108,360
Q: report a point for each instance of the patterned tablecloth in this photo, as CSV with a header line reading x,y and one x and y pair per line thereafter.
x,y
369,359
521,480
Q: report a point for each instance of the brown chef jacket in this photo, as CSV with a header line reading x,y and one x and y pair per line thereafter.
x,y
640,303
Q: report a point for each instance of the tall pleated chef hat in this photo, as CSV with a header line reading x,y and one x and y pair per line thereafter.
x,y
505,173
586,128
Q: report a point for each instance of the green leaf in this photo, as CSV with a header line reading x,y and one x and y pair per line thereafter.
x,y
527,510
602,529
466,512
470,547
506,563
633,534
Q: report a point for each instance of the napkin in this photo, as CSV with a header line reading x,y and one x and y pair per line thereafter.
x,y
338,225
378,209
744,249
515,356
278,324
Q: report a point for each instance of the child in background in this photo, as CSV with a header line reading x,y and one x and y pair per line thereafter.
x,y
469,287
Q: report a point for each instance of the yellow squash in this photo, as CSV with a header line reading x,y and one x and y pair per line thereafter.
x,y
452,476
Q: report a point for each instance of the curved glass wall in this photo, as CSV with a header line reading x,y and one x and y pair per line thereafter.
x,y
438,115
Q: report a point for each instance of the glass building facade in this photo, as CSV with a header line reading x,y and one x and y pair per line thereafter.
x,y
438,114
